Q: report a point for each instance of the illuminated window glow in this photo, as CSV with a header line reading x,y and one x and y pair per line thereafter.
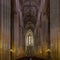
x,y
29,38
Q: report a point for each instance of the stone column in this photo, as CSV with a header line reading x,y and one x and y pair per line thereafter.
x,y
54,29
0,28
5,28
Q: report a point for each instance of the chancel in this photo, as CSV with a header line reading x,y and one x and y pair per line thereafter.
x,y
29,29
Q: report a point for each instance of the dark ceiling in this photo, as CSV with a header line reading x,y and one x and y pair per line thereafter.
x,y
30,11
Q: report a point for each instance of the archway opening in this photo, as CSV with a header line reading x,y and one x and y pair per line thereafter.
x,y
29,42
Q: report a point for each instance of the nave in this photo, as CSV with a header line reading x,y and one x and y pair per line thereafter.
x,y
28,26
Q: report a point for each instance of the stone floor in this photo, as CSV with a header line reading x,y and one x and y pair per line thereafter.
x,y
31,58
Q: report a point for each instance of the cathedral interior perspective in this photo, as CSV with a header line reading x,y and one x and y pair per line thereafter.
x,y
29,30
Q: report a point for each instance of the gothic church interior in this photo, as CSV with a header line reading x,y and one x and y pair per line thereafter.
x,y
29,30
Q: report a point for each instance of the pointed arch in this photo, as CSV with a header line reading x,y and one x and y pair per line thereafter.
x,y
29,38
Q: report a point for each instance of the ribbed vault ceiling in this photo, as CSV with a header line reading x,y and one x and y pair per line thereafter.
x,y
30,11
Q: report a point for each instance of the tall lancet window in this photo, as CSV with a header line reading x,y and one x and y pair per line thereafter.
x,y
29,40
